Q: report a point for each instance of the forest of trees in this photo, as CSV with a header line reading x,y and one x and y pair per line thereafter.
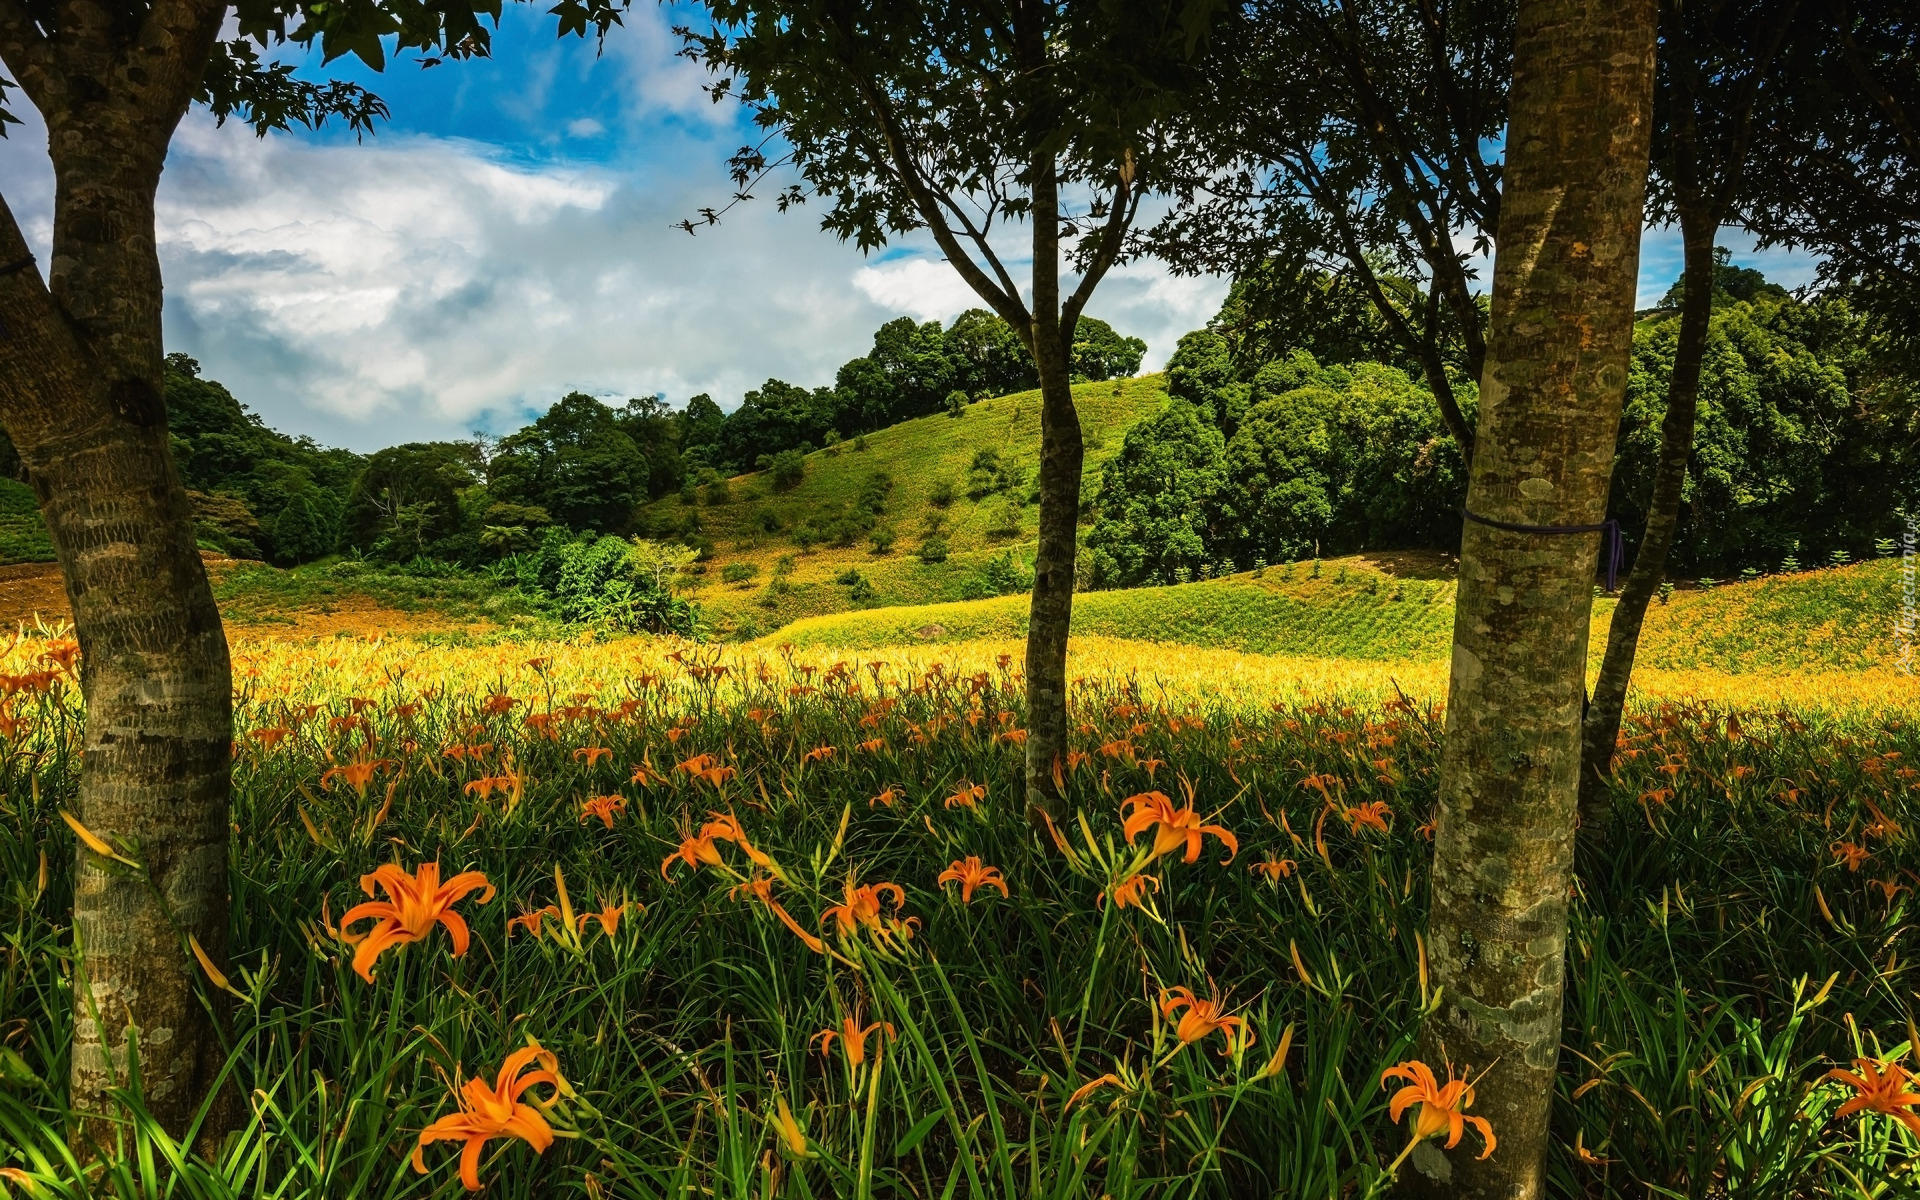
x,y
581,467
1299,433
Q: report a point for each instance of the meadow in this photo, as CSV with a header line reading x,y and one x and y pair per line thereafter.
x,y
758,922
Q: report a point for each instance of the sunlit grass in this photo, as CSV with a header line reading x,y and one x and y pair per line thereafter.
x,y
1762,846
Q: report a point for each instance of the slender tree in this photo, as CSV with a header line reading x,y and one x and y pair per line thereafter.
x,y
1717,61
961,118
1560,338
80,396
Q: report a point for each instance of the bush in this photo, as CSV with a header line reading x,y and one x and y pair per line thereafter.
x,y
718,492
1005,519
942,494
934,549
739,572
1000,576
882,539
787,469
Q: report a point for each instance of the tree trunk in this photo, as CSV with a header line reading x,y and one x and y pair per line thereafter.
x,y
80,395
1600,731
1560,338
1062,454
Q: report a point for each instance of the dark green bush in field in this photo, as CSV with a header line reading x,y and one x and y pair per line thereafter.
x,y
1745,935
934,549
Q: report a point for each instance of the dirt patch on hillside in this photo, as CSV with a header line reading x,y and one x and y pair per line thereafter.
x,y
35,590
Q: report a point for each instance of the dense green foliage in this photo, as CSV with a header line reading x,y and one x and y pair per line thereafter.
x,y
1289,460
1801,448
1806,447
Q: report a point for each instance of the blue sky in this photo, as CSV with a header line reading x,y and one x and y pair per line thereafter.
x,y
507,237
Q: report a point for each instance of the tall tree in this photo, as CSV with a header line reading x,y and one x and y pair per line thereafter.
x,y
1715,60
1560,338
960,118
1357,138
81,397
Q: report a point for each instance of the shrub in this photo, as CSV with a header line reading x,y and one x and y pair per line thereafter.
x,y
860,443
718,492
882,539
942,494
766,520
1005,519
934,549
787,468
739,572
1000,576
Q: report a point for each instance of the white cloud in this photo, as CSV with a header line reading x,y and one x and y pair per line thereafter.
x,y
416,287
927,289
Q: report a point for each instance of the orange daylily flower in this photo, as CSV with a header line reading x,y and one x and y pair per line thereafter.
x,y
967,795
269,738
887,796
1879,1087
604,807
698,848
853,1039
497,703
593,754
1275,868
1851,854
1371,815
1132,891
414,905
761,888
872,745
969,874
1202,1017
498,1111
818,754
608,917
1173,828
357,773
1441,1106
530,919
862,908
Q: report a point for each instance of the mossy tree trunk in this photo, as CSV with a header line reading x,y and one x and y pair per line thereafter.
x,y
1062,454
1560,339
80,395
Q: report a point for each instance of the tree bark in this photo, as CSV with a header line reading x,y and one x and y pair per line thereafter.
x,y
80,395
1600,729
1560,339
1062,455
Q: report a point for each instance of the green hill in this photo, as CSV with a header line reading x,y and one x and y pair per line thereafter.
x,y
1835,619
23,535
924,472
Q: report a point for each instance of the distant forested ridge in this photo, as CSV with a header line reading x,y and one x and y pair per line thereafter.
x,y
1298,433
581,468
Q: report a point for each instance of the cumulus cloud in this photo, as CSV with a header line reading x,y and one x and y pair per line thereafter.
x,y
423,284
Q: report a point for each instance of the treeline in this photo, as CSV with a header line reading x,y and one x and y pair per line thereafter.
x,y
1288,437
913,370
582,467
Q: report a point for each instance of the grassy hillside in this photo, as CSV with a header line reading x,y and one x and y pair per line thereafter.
x,y
752,526
23,535
1834,620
